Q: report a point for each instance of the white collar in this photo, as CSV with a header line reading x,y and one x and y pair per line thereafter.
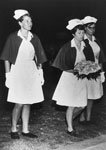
x,y
30,35
74,45
93,38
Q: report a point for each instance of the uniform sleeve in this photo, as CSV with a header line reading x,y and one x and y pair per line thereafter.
x,y
6,52
102,58
41,56
63,59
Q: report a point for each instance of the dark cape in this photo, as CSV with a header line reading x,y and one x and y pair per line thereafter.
x,y
66,56
12,45
102,57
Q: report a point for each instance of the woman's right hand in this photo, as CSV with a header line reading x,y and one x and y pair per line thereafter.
x,y
40,73
7,81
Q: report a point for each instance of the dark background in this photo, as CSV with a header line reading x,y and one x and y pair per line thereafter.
x,y
50,18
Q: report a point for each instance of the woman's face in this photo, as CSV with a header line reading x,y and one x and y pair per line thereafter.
x,y
26,24
79,35
90,29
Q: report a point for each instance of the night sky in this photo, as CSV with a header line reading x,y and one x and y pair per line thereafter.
x,y
50,17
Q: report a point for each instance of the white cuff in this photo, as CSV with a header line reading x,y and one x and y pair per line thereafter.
x,y
7,74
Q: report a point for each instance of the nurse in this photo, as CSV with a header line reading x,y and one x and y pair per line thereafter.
x,y
70,90
24,77
95,87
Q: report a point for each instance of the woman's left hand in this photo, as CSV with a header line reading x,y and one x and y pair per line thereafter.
x,y
40,72
102,75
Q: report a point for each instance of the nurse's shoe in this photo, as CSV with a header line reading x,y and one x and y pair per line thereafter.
x,y
14,135
30,135
72,133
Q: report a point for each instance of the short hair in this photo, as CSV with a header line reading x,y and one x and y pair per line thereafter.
x,y
21,18
91,23
80,27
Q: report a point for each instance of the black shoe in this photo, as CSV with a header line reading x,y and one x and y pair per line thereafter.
x,y
14,135
85,122
72,133
30,135
88,122
82,122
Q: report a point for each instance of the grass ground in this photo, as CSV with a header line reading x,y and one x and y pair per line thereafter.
x,y
47,120
49,124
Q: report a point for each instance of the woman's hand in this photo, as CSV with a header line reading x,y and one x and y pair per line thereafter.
x,y
8,79
102,75
40,72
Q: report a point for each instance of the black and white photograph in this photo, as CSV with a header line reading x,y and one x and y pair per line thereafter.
x,y
52,75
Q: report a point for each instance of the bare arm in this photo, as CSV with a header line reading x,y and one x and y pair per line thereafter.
x,y
7,66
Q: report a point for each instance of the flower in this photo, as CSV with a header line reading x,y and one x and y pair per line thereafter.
x,y
87,69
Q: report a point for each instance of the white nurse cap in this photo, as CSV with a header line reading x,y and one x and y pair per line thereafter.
x,y
89,19
73,23
19,13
